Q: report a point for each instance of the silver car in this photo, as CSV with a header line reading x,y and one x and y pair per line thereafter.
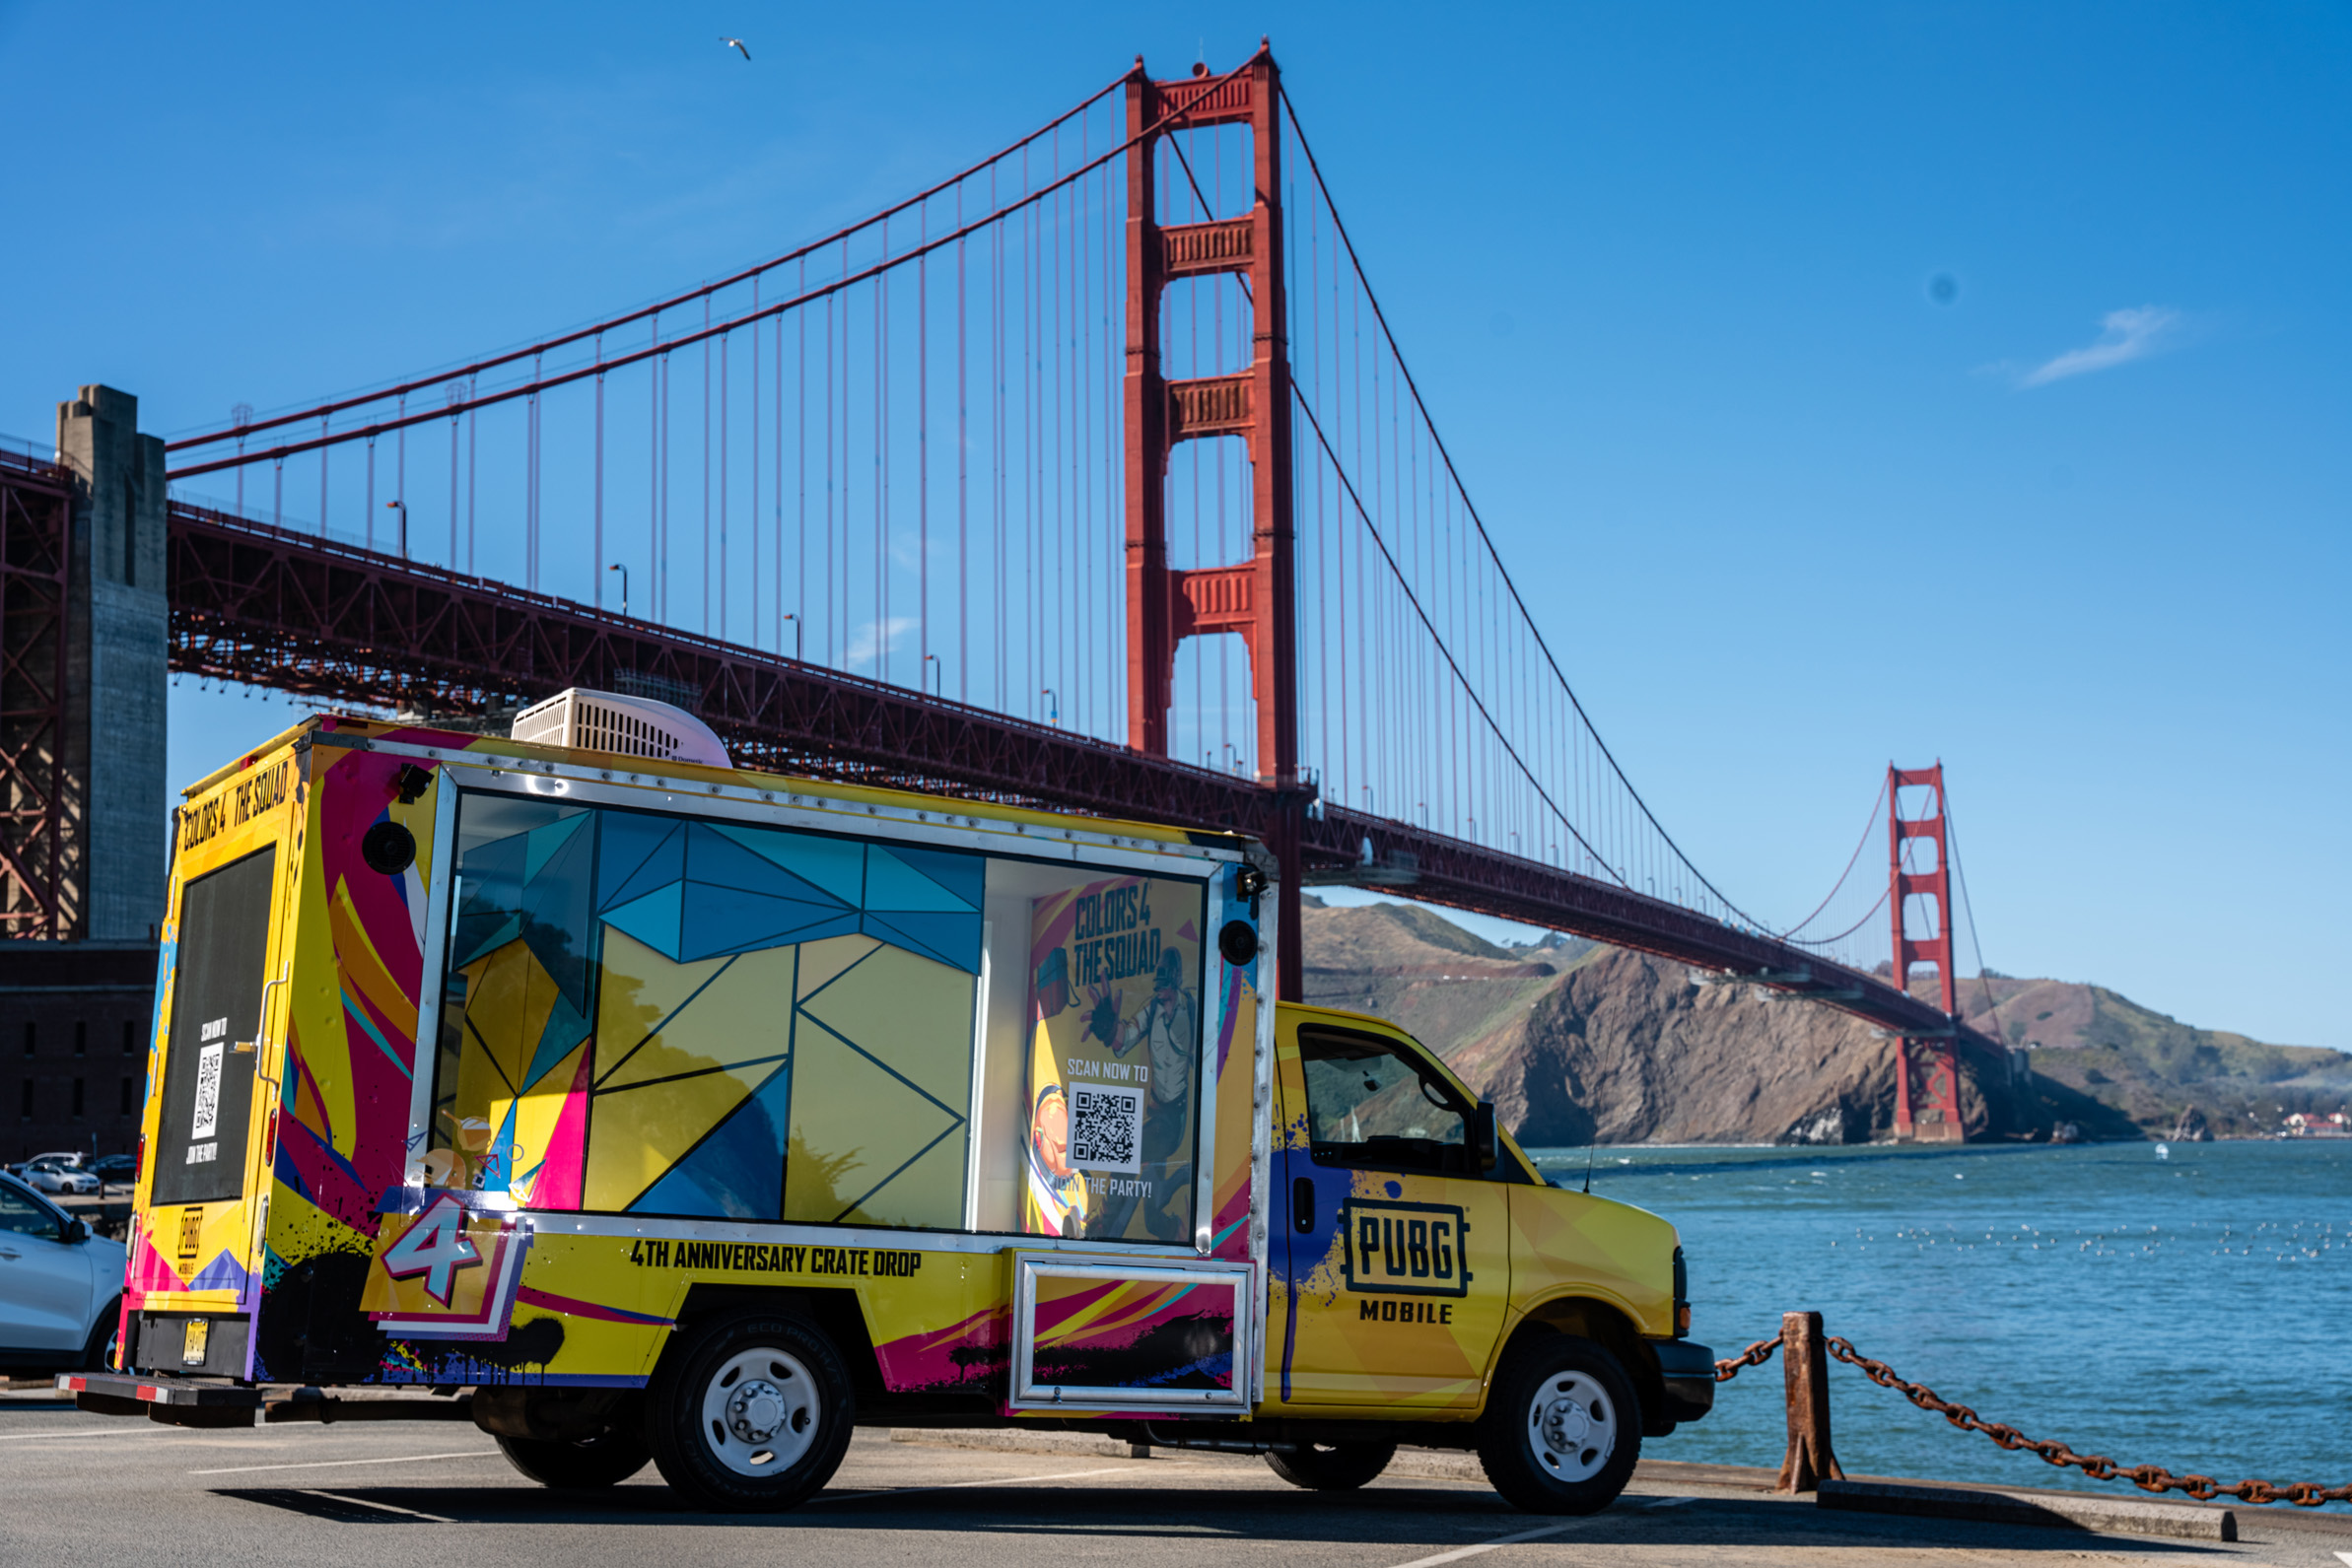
x,y
52,1175
60,1285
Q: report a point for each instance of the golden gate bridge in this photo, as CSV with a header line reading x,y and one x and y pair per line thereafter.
x,y
1092,475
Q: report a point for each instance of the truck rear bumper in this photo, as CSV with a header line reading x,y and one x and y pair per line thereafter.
x,y
1687,1372
187,1401
175,1401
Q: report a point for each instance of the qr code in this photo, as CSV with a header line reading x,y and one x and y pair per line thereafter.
x,y
208,1091
1106,1131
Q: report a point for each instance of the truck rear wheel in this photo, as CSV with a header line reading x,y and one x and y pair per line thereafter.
x,y
590,1466
1562,1429
752,1413
1332,1466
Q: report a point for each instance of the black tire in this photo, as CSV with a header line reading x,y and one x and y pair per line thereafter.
x,y
750,1413
585,1467
1562,1428
97,1354
1332,1466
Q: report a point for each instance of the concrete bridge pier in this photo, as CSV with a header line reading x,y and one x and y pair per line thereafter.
x,y
85,822
117,816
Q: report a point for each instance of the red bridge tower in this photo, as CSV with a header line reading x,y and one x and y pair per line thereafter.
x,y
1936,1116
1253,597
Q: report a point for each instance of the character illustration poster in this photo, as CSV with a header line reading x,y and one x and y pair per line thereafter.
x,y
1115,1059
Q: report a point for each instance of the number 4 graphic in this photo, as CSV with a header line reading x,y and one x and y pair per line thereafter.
x,y
437,1246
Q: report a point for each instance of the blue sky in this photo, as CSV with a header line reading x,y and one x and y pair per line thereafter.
x,y
1851,383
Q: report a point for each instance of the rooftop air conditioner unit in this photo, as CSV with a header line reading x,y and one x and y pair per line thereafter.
x,y
633,726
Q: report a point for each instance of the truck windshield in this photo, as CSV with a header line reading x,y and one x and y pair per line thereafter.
x,y
1372,1102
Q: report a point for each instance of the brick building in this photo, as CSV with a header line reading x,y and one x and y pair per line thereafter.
x,y
74,1022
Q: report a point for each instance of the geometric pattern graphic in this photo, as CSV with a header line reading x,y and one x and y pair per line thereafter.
x,y
693,890
512,1115
515,1123
661,1016
691,1082
882,1075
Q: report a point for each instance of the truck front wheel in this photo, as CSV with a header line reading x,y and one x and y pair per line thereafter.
x,y
1562,1429
752,1413
1332,1466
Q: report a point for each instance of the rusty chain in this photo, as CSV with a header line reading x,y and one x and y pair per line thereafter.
x,y
1756,1355
2147,1477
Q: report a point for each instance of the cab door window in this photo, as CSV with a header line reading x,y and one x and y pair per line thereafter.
x,y
1373,1103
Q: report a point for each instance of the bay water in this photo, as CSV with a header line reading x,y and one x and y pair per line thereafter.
x,y
2189,1308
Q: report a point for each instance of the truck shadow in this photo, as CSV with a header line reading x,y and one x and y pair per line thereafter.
x,y
1399,1520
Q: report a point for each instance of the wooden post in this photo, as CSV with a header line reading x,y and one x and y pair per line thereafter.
x,y
1805,1363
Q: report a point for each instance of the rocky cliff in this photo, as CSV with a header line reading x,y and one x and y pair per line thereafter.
x,y
1575,1041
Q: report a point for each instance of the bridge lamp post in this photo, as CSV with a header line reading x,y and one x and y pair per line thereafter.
x,y
400,507
800,638
1053,709
624,572
931,666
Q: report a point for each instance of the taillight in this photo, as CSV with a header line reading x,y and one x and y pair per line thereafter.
x,y
1682,1294
139,1171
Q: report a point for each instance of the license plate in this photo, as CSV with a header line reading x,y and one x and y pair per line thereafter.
x,y
191,1351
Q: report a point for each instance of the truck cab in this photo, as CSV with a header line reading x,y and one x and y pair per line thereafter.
x,y
651,1109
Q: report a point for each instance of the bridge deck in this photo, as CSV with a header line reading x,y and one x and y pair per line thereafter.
x,y
256,603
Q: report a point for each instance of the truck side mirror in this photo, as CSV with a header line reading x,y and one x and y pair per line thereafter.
x,y
1484,1146
74,1230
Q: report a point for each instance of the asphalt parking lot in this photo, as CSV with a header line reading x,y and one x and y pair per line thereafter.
x,y
99,1490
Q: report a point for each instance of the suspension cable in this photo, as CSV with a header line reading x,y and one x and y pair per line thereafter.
x,y
717,329
672,302
1477,521
1397,353
1992,1004
1868,824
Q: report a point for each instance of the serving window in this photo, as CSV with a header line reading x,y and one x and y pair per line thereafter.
x,y
652,1014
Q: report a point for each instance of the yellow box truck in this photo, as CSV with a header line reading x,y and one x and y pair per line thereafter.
x,y
654,1109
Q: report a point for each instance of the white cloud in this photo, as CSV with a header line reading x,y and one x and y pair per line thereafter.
x,y
872,639
2125,336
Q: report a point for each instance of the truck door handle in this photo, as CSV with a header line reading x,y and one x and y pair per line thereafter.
x,y
1302,1205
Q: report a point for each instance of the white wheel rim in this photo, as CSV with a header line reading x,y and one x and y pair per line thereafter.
x,y
759,1412
1571,1426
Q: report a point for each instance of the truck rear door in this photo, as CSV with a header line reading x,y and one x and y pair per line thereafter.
x,y
194,1270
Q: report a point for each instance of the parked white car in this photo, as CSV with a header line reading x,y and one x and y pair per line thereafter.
x,y
59,1284
54,1175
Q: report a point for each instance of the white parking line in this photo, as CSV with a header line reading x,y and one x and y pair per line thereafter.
x,y
1669,1502
949,1486
1499,1541
362,1502
158,1430
328,1465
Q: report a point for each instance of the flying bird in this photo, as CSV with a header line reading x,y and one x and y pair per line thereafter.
x,y
737,44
